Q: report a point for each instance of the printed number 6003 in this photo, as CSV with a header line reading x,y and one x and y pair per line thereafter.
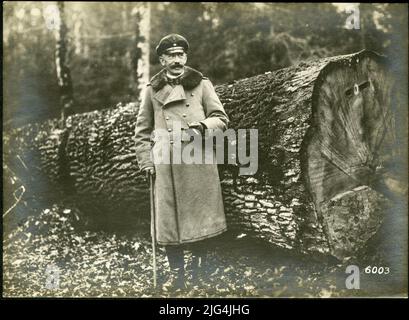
x,y
377,270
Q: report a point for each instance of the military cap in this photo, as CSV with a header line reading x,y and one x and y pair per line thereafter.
x,y
171,43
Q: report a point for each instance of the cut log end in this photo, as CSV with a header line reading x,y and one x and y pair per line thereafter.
x,y
352,139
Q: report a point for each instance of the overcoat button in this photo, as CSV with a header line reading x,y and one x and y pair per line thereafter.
x,y
184,115
192,94
167,118
187,104
171,141
169,129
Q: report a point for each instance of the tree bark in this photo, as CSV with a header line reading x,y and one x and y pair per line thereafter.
x,y
326,140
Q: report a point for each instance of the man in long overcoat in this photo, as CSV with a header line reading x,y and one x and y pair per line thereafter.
x,y
188,196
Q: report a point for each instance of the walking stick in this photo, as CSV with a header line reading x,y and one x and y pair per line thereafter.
x,y
153,225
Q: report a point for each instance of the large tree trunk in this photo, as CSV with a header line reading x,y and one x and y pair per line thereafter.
x,y
325,130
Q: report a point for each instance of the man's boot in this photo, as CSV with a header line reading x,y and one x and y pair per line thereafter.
x,y
176,278
175,281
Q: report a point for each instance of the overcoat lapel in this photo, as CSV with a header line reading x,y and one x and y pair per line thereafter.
x,y
169,94
162,94
177,94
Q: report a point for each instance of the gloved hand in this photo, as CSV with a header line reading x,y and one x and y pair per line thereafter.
x,y
148,171
197,126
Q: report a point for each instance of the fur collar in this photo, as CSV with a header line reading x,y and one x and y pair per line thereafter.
x,y
190,79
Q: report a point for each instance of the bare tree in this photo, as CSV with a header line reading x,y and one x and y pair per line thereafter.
x,y
56,20
140,58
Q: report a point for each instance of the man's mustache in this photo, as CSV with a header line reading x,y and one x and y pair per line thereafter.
x,y
176,65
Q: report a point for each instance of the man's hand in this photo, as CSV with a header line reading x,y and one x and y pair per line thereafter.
x,y
197,126
149,171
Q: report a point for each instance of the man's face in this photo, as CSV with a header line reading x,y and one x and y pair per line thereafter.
x,y
173,62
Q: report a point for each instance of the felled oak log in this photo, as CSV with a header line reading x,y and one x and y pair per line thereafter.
x,y
325,131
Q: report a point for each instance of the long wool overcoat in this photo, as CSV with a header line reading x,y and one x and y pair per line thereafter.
x,y
188,197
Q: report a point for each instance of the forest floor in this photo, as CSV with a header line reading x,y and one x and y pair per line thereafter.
x,y
50,255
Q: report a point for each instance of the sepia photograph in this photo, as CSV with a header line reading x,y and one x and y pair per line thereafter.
x,y
204,150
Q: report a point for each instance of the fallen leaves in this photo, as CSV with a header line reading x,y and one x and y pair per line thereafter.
x,y
101,264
